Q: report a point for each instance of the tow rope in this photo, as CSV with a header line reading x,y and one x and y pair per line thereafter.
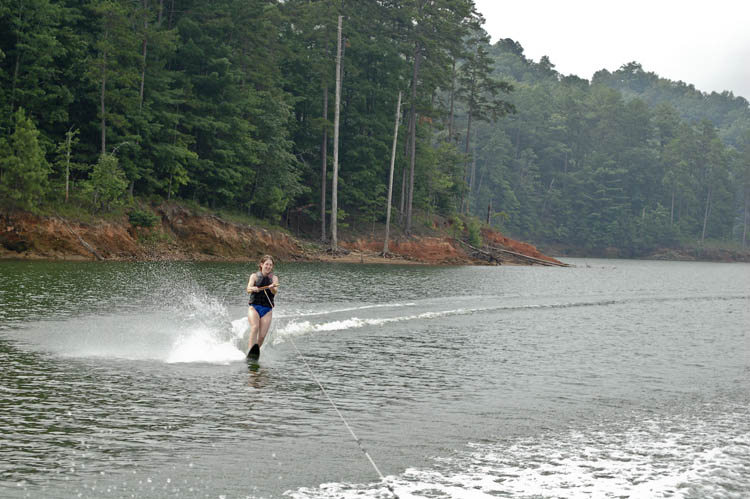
x,y
354,435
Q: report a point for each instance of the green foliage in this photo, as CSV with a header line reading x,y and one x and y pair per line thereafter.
x,y
24,170
141,218
593,166
66,168
220,104
457,226
474,228
36,42
153,237
107,184
725,111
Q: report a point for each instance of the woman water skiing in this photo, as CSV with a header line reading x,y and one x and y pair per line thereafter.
x,y
262,287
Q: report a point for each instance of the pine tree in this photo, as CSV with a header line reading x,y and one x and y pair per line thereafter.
x,y
107,183
24,171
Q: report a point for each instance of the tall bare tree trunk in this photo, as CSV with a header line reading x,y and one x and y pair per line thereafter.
x,y
174,143
468,141
467,175
16,71
68,147
337,109
101,102
472,177
324,166
705,214
145,49
410,179
402,203
390,177
413,135
452,97
483,172
15,83
744,223
671,211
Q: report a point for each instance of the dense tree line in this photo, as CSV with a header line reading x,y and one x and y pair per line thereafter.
x,y
230,104
628,160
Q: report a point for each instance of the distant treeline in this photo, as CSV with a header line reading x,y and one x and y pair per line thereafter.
x,y
628,160
230,104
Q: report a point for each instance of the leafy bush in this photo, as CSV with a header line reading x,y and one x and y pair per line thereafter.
x,y
138,218
475,234
107,183
24,170
457,226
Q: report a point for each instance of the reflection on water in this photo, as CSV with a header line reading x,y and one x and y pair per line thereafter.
x,y
611,379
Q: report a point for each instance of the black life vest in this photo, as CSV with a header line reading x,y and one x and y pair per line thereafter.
x,y
262,297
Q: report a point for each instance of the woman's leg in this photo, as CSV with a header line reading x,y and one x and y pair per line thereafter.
x,y
254,319
265,324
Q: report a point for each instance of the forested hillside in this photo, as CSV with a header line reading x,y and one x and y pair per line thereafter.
x,y
628,160
231,104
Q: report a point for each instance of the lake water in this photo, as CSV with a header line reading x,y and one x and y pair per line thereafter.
x,y
612,378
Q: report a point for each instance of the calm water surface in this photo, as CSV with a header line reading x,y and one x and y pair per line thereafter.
x,y
609,379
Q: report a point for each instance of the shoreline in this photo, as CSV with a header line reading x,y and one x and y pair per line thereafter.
x,y
180,234
183,235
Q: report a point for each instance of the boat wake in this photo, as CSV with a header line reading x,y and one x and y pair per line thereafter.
x,y
683,456
200,330
305,323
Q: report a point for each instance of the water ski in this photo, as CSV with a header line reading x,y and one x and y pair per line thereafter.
x,y
254,352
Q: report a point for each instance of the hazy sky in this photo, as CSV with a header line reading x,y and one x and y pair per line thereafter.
x,y
706,43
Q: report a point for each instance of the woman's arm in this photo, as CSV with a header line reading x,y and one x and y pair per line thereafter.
x,y
251,288
274,287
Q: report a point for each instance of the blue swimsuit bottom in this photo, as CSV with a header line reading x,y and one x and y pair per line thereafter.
x,y
261,310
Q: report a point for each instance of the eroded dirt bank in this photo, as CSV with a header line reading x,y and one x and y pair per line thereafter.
x,y
182,234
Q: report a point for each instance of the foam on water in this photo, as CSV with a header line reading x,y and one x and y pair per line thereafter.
x,y
683,457
192,329
296,328
142,337
309,313
202,346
